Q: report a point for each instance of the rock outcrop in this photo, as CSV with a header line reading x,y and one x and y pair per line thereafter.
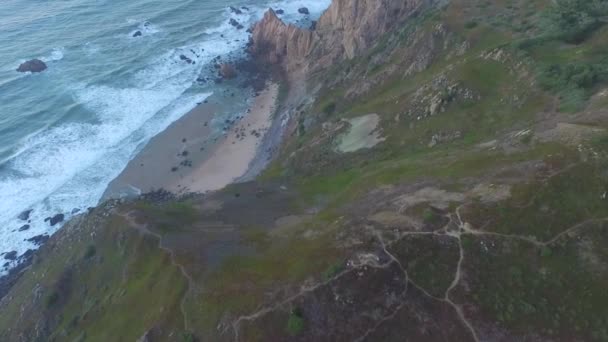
x,y
34,65
347,28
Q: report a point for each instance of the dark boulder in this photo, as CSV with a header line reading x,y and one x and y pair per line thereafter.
x,y
313,25
234,23
303,10
235,10
25,215
24,228
56,219
245,8
10,255
279,11
38,239
185,59
137,34
34,65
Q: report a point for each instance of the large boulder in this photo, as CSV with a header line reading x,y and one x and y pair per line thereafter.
x,y
25,215
56,219
227,71
34,65
303,10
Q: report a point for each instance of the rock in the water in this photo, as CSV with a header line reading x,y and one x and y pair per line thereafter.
x,y
235,10
34,65
186,59
56,219
38,239
24,228
227,71
25,215
303,10
10,255
279,11
235,23
137,34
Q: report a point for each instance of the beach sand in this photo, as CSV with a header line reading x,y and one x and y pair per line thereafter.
x,y
189,157
231,157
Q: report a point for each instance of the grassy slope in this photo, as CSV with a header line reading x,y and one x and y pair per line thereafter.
x,y
128,285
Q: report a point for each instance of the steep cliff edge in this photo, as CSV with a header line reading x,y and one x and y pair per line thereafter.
x,y
347,28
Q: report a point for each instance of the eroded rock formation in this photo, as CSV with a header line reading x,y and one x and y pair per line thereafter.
x,y
347,28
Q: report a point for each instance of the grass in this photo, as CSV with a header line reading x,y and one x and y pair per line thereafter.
x,y
429,261
527,290
295,323
128,288
546,209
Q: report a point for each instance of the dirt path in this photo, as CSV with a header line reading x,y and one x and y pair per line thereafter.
x,y
143,228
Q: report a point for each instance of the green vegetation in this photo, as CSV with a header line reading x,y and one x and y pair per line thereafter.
x,y
295,323
429,261
573,20
558,292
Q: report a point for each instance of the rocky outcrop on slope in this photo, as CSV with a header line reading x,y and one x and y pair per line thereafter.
x,y
347,28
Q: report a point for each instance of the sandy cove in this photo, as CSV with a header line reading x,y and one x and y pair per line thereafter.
x,y
231,157
189,157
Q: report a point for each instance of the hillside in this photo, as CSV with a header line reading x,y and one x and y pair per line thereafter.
x,y
442,178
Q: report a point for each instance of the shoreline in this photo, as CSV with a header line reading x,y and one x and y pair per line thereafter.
x,y
190,157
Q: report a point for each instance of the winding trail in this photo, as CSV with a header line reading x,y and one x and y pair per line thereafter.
x,y
143,228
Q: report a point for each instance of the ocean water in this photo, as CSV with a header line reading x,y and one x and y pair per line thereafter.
x,y
67,132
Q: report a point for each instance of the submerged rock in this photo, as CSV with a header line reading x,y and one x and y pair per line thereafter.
x,y
25,215
185,59
38,239
56,219
235,10
137,34
10,255
34,65
24,228
303,10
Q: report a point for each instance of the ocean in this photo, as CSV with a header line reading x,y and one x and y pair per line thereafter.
x,y
67,132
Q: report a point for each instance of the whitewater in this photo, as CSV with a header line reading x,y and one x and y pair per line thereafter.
x,y
67,132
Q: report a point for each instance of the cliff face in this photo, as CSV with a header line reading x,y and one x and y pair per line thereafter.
x,y
347,28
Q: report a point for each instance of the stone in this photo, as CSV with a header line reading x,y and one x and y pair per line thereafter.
x,y
38,239
25,215
34,65
56,219
235,10
303,10
185,59
24,227
10,255
137,34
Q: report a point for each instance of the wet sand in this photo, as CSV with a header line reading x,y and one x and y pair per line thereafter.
x,y
189,157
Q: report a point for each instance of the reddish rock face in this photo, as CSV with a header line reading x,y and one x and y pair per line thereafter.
x,y
347,28
34,65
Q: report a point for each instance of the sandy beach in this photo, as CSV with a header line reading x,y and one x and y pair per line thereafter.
x,y
190,157
232,155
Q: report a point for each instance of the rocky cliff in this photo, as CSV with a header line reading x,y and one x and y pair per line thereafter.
x,y
347,28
